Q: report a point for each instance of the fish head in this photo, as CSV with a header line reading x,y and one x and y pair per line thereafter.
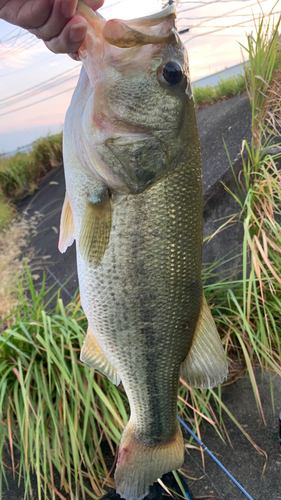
x,y
138,115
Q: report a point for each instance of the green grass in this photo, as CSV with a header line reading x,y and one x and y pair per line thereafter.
x,y
55,411
225,89
57,414
248,311
263,52
20,174
6,213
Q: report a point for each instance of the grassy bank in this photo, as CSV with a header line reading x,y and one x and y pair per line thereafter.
x,y
224,89
20,174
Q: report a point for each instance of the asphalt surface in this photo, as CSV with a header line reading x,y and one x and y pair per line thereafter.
x,y
230,120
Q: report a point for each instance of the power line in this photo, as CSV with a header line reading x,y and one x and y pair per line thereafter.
x,y
27,68
2,40
40,85
204,4
228,27
20,34
111,5
226,14
37,102
68,75
207,3
70,78
25,44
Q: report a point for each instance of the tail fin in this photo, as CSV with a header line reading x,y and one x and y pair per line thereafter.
x,y
140,465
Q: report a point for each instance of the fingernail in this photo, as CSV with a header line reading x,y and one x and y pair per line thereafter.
x,y
78,31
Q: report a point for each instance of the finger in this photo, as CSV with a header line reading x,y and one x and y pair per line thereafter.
x,y
27,15
94,4
70,38
62,12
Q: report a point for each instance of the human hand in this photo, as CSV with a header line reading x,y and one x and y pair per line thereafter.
x,y
53,21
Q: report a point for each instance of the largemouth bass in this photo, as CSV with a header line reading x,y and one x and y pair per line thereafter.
x,y
134,206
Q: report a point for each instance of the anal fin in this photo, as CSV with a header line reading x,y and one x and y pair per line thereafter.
x,y
206,364
92,355
67,230
96,227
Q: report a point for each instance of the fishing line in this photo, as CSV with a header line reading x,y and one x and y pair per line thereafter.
x,y
280,432
215,459
60,284
205,474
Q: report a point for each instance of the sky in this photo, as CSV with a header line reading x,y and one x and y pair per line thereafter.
x,y
36,86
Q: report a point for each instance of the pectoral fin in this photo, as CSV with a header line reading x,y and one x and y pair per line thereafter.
x,y
96,227
67,230
205,365
92,355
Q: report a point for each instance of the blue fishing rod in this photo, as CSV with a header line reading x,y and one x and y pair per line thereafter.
x,y
280,432
216,460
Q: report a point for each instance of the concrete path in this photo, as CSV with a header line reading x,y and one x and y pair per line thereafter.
x,y
232,120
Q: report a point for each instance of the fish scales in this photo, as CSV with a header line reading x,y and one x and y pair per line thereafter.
x,y
134,205
148,301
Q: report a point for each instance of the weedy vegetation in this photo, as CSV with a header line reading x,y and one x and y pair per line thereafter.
x,y
60,419
226,87
20,174
14,240
56,414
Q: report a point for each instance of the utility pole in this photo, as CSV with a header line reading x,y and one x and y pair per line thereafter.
x,y
165,3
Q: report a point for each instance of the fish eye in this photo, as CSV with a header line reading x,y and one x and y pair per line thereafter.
x,y
172,73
